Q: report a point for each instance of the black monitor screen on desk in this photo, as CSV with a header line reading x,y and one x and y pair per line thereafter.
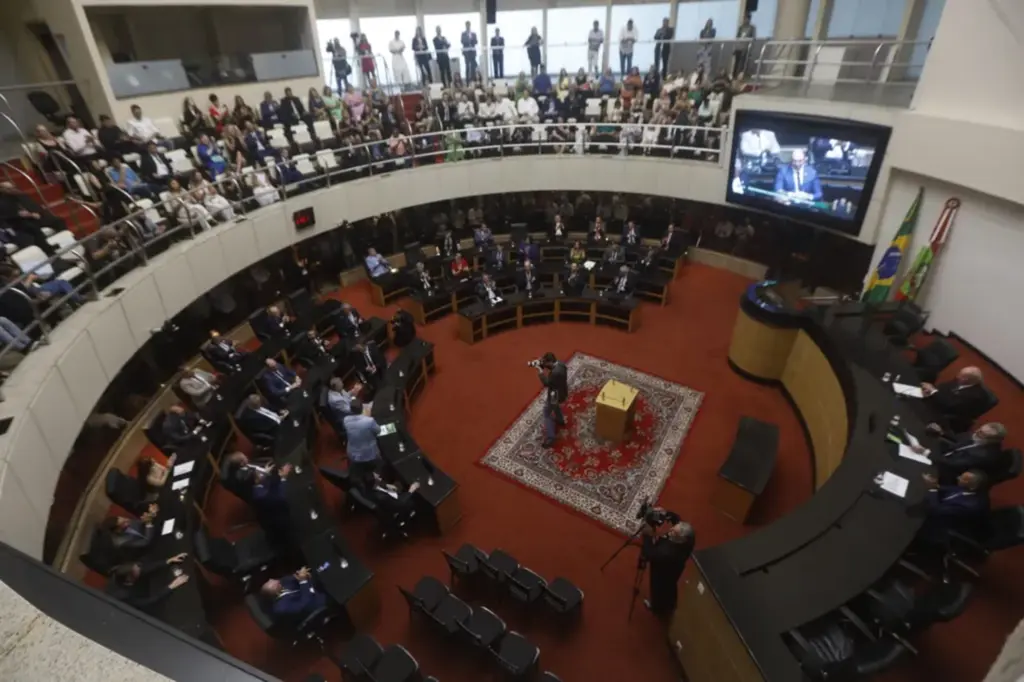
x,y
304,219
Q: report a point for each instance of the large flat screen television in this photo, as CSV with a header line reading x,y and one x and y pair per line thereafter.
x,y
813,169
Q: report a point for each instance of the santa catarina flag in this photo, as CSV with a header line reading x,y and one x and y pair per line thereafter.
x,y
889,264
914,280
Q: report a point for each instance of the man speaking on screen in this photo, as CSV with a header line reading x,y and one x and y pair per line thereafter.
x,y
797,182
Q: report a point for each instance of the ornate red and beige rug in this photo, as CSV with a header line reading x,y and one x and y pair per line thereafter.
x,y
604,480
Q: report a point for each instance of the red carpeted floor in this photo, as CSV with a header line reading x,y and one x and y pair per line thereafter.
x,y
480,389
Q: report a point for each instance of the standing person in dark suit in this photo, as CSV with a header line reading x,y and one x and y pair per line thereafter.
x,y
555,378
498,54
529,251
663,46
222,353
293,597
444,65
270,500
370,364
667,555
497,256
959,402
469,43
981,451
274,325
962,507
348,322
133,583
292,111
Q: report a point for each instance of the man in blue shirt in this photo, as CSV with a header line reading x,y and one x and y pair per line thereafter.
x,y
362,431
542,83
122,175
339,401
376,264
293,597
210,156
469,43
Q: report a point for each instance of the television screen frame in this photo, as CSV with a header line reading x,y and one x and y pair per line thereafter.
x,y
868,134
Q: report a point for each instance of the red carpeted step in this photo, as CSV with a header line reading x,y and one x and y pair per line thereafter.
x,y
79,219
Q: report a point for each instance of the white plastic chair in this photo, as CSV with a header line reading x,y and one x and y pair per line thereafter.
x,y
63,240
150,211
322,130
300,135
593,107
435,91
167,128
304,165
277,138
327,160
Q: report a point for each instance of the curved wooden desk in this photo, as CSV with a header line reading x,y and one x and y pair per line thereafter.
x,y
478,321
739,600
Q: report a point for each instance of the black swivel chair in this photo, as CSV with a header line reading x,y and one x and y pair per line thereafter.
x,y
341,480
483,628
905,322
933,358
517,655
1006,530
306,629
257,321
465,563
231,482
125,492
449,613
425,596
526,586
838,648
358,656
263,442
413,254
396,664
941,603
239,560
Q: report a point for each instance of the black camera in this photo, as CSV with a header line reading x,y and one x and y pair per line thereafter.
x,y
653,516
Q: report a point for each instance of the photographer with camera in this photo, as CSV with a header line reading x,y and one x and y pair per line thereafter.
x,y
555,377
667,544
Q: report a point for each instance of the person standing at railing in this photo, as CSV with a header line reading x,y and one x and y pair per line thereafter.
x,y
366,61
532,45
747,32
498,55
469,43
399,67
663,46
595,39
421,53
339,62
627,39
707,34
444,65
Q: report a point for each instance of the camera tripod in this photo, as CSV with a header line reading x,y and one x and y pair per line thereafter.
x,y
641,567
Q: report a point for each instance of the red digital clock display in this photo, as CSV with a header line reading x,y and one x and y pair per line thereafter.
x,y
304,219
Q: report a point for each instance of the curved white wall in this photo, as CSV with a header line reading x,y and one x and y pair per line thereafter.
x,y
53,391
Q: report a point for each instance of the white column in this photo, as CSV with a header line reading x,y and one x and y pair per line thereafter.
x,y
898,56
544,34
608,31
483,49
790,22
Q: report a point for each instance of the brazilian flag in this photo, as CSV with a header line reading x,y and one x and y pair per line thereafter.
x,y
889,265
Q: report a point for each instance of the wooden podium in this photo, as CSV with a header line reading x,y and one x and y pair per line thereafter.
x,y
615,406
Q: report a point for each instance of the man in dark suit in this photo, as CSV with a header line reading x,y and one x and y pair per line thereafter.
x,y
27,219
958,403
614,255
962,507
422,281
311,349
798,181
348,321
222,353
526,280
648,262
388,496
981,451
154,168
178,428
630,234
555,378
270,501
132,534
529,251
292,112
487,292
273,325
448,244
278,381
143,584
575,280
624,282
256,420
370,363
497,257
670,242
293,598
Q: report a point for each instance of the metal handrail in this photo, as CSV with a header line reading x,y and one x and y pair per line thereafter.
x,y
36,86
7,165
14,123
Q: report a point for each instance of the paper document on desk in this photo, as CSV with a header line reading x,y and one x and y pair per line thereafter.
x,y
908,390
183,468
589,265
891,483
913,442
168,527
908,453
179,484
387,429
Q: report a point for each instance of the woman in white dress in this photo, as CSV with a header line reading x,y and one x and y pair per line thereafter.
x,y
264,192
203,191
186,208
399,67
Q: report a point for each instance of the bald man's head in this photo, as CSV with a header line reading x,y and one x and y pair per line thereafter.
x,y
969,376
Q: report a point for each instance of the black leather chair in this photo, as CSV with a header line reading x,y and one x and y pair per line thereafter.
x,y
358,656
102,557
396,664
240,560
941,603
1005,530
465,563
483,628
413,254
905,322
498,566
933,358
526,586
154,433
1014,465
837,650
126,492
425,596
341,480
257,321
563,596
517,655
450,613
305,630
263,442
231,482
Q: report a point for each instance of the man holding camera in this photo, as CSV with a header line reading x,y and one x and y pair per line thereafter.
x,y
666,552
555,377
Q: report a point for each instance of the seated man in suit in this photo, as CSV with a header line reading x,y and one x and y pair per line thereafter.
x,y
389,496
624,283
959,402
293,598
375,264
275,325
963,507
256,420
361,430
448,245
597,234
648,262
497,256
981,451
797,182
529,251
482,236
370,363
614,255
559,231
526,279
198,385
132,534
670,242
487,292
222,353
154,167
575,280
278,381
349,322
631,235
143,584
311,349
243,471
179,427
422,281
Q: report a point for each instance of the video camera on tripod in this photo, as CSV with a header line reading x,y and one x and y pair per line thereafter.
x,y
534,363
655,517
